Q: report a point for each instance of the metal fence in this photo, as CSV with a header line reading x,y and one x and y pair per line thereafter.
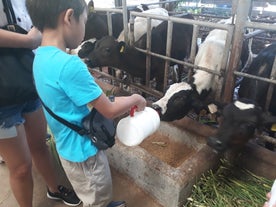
x,y
231,57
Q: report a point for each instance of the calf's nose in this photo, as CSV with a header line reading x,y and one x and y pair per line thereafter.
x,y
157,108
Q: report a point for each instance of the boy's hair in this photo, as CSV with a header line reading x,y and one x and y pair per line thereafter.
x,y
45,13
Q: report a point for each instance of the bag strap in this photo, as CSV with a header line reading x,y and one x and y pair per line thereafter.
x,y
8,9
76,128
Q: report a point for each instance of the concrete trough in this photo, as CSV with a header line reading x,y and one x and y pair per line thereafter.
x,y
170,184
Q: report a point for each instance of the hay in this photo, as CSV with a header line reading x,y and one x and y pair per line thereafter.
x,y
229,186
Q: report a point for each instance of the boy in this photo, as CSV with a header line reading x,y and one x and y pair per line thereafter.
x,y
65,85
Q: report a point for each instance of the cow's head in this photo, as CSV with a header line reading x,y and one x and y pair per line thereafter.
x,y
178,100
240,119
106,52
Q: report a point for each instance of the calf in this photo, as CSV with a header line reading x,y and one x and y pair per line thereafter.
x,y
109,52
183,97
240,119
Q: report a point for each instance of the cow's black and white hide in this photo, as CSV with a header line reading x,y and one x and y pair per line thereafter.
x,y
97,25
140,23
256,89
241,119
182,97
110,52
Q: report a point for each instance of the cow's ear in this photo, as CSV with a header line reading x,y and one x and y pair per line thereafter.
x,y
122,47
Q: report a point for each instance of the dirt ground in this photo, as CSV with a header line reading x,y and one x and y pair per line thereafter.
x,y
123,188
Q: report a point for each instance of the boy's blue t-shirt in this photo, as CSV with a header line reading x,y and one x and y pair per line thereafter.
x,y
65,86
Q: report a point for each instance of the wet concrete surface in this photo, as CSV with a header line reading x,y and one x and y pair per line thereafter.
x,y
123,188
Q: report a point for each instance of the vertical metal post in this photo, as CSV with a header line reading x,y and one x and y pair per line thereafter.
x,y
118,3
168,52
234,6
193,50
125,20
131,30
194,43
109,23
224,62
241,18
148,48
271,86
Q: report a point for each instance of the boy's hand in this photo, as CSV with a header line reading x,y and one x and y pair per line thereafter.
x,y
141,102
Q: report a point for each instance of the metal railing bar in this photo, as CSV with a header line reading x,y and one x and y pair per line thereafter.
x,y
254,77
181,62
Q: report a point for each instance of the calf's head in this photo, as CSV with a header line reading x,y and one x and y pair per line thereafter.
x,y
240,119
178,100
106,52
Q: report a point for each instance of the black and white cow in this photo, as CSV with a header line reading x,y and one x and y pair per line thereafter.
x,y
109,52
256,89
140,23
182,97
97,26
242,118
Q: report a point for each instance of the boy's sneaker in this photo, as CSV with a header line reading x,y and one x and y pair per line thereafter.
x,y
67,196
117,204
1,160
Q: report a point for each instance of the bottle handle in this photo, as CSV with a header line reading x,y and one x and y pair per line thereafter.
x,y
132,110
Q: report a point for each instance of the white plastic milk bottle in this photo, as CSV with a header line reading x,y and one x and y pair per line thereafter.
x,y
272,200
133,129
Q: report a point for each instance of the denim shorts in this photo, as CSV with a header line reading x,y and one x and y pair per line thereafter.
x,y
10,116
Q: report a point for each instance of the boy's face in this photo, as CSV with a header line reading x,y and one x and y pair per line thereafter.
x,y
77,31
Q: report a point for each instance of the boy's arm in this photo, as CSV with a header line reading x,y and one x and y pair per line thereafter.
x,y
120,105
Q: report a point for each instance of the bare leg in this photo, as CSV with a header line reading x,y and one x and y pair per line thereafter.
x,y
15,152
36,130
